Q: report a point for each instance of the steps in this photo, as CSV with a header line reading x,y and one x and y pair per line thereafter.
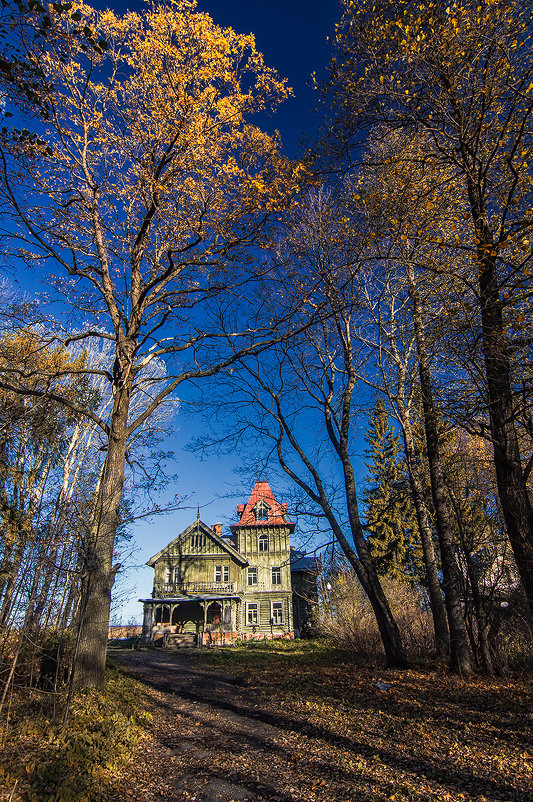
x,y
180,640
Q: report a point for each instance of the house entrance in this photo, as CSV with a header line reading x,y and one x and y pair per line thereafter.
x,y
188,617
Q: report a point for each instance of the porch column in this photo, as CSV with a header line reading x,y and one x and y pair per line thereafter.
x,y
148,622
204,606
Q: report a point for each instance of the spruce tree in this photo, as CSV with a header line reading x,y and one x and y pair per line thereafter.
x,y
390,516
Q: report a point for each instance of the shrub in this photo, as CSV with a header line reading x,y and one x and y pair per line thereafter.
x,y
346,615
100,736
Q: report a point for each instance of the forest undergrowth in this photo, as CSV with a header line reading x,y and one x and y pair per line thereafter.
x,y
344,731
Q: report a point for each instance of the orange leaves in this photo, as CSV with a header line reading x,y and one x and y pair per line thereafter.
x,y
160,120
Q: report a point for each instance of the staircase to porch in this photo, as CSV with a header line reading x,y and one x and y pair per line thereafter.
x,y
180,640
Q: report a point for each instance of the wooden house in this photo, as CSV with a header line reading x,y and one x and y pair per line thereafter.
x,y
216,588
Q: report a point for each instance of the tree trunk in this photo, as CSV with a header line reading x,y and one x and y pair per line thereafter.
x,y
512,488
482,621
438,608
367,576
362,562
388,628
461,660
89,666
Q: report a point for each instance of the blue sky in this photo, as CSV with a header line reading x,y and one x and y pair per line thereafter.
x,y
292,35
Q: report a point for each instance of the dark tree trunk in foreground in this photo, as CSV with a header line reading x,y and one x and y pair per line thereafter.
x,y
89,667
512,487
369,578
362,562
461,660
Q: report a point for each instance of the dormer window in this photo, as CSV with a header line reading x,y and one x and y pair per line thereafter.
x,y
261,511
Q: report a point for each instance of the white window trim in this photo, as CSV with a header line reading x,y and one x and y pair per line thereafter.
x,y
252,571
224,573
277,623
263,538
276,568
261,511
252,607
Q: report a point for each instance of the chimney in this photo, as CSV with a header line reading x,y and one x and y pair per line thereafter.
x,y
293,548
217,529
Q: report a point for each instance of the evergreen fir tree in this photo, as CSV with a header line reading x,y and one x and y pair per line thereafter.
x,y
390,516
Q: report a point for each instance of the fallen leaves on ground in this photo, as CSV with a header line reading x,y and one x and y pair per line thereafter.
x,y
304,723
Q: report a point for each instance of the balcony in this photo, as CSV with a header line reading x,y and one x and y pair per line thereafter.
x,y
192,588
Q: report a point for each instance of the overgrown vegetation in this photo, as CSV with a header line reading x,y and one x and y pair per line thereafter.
x,y
345,617
41,758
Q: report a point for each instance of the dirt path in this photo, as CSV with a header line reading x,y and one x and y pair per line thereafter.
x,y
215,739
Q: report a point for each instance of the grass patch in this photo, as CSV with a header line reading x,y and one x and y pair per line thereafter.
x,y
251,656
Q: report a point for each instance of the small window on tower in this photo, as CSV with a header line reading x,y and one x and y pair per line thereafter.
x,y
261,511
263,542
276,575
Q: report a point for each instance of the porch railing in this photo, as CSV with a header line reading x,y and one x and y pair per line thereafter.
x,y
167,589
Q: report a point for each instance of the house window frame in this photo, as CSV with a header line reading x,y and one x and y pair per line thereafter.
x,y
173,575
275,576
252,614
276,619
223,573
261,511
263,542
251,576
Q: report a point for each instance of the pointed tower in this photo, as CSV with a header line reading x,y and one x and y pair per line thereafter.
x,y
262,537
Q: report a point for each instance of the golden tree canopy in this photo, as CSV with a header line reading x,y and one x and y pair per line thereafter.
x,y
148,169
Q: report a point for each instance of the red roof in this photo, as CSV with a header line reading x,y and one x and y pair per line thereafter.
x,y
263,503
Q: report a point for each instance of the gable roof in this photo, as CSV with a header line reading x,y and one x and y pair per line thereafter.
x,y
277,512
196,528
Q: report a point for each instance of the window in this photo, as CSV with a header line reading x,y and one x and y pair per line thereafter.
x,y
173,575
263,542
261,511
252,613
276,576
277,612
221,573
252,576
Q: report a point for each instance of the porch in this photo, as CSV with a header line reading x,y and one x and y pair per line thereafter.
x,y
186,621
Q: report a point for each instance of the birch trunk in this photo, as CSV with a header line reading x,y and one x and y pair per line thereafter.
x,y
461,660
438,608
